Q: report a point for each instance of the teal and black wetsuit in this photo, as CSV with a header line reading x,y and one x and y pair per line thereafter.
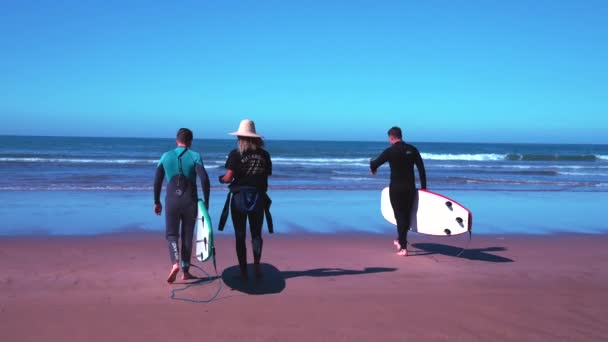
x,y
181,167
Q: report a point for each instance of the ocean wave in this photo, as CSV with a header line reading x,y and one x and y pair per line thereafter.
x,y
601,174
76,188
499,181
78,160
319,161
469,157
519,166
551,157
515,157
353,179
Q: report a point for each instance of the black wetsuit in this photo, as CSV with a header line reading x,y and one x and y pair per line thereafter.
x,y
402,158
251,171
180,167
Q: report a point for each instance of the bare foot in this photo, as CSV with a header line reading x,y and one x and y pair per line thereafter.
x,y
402,252
173,273
188,276
396,243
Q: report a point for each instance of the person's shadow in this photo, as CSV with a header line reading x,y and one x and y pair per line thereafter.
x,y
477,254
273,280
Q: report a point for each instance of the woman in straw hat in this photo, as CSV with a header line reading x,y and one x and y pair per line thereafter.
x,y
247,171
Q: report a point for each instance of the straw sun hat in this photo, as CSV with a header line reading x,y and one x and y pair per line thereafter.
x,y
246,129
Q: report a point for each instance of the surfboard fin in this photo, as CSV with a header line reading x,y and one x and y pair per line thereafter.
x,y
459,220
448,204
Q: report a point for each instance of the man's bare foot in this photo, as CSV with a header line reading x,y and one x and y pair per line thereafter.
x,y
173,273
187,276
402,252
396,243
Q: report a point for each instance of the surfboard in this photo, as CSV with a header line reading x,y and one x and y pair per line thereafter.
x,y
204,234
432,214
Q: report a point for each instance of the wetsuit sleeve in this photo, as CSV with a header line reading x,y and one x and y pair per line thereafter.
x,y
382,158
421,170
158,182
204,178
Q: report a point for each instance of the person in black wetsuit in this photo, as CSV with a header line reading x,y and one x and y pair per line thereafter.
x,y
401,157
180,167
247,171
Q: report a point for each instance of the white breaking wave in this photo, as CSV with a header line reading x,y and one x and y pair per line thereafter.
x,y
365,161
354,179
319,160
600,174
79,188
78,160
469,157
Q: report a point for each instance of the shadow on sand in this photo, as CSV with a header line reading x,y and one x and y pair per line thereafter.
x,y
478,254
273,280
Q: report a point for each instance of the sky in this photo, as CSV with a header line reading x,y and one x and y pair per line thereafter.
x,y
460,71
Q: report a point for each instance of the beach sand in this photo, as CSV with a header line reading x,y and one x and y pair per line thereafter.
x,y
316,288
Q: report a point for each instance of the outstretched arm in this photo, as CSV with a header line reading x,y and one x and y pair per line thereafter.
x,y
421,170
376,163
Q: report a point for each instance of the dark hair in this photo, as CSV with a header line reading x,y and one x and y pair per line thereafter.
x,y
395,132
184,136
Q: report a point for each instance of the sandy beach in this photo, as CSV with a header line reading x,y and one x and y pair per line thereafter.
x,y
315,288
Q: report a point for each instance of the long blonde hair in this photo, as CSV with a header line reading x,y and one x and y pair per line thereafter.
x,y
249,144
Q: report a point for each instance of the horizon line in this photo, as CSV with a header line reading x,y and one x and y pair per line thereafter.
x,y
312,140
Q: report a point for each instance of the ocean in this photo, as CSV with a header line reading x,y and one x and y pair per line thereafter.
x,y
75,186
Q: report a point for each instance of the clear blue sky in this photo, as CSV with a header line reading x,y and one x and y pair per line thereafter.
x,y
480,71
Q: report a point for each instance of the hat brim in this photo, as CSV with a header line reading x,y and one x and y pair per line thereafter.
x,y
246,134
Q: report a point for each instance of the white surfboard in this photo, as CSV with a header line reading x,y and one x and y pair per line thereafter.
x,y
204,234
432,214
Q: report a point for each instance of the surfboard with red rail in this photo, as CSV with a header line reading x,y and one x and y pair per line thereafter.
x,y
432,214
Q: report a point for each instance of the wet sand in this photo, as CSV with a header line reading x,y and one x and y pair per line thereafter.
x,y
315,288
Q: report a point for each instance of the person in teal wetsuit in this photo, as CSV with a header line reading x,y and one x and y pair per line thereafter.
x,y
180,167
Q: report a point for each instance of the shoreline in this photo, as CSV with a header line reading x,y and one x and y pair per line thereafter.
x,y
91,213
228,233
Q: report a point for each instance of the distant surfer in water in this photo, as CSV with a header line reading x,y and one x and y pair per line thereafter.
x,y
247,171
401,157
180,167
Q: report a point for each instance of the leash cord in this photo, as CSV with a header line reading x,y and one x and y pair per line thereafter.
x,y
200,282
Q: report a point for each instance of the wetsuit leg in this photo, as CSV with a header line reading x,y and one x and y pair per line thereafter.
x,y
172,222
256,220
188,218
180,218
239,221
402,201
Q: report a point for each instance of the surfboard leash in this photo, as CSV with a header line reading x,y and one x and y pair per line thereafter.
x,y
200,282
